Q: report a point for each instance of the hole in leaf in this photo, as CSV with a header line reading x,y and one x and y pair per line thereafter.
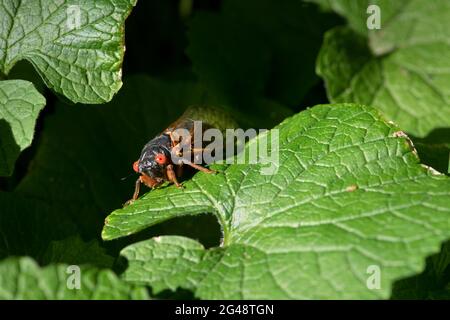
x,y
203,228
432,283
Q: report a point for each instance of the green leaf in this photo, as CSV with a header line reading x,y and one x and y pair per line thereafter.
x,y
395,17
77,46
20,104
403,69
402,24
22,278
258,48
349,193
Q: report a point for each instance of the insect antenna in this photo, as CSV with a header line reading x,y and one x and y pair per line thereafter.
x,y
126,177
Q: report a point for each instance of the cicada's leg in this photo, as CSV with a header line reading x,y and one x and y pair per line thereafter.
x,y
179,170
174,143
200,168
198,154
195,150
172,176
177,150
136,192
177,146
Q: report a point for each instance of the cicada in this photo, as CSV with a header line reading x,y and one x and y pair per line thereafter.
x,y
156,163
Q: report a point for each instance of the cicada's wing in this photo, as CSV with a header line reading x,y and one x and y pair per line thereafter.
x,y
211,117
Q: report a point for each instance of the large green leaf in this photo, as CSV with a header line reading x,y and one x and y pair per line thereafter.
x,y
77,46
349,193
22,278
403,69
20,104
403,23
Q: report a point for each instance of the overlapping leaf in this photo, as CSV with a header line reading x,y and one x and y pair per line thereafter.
x,y
20,104
403,69
349,194
22,278
76,46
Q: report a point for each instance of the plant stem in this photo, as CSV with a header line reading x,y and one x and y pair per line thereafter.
x,y
225,236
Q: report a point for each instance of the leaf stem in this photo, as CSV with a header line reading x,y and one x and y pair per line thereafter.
x,y
225,236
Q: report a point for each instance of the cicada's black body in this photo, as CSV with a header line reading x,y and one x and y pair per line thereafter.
x,y
148,164
155,165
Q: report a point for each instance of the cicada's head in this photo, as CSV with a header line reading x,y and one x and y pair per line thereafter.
x,y
153,163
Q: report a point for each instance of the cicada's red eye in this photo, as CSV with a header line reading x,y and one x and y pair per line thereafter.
x,y
136,166
160,158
